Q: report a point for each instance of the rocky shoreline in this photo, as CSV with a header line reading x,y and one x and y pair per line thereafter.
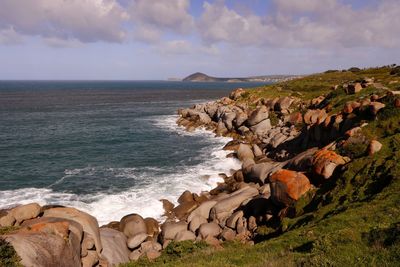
x,y
288,147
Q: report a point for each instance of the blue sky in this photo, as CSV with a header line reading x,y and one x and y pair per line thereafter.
x,y
142,39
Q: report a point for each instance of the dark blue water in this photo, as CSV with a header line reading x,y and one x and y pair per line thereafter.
x,y
109,148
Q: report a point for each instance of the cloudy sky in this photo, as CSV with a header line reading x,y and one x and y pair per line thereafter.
x,y
157,39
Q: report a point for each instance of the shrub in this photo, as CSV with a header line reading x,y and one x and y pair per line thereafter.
x,y
8,256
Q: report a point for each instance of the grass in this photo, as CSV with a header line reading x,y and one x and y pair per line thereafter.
x,y
353,219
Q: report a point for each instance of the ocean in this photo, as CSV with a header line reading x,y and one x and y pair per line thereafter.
x,y
109,148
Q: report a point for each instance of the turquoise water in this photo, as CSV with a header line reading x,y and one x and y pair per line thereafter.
x,y
109,148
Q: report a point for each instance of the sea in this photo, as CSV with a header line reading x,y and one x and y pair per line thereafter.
x,y
109,148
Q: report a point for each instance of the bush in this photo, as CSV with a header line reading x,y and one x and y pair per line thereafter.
x,y
354,69
395,71
179,249
8,256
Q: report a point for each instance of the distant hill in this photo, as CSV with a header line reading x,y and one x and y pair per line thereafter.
x,y
201,77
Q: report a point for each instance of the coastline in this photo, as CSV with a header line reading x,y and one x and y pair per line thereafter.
x,y
288,148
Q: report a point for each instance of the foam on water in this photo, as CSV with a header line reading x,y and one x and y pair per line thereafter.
x,y
143,198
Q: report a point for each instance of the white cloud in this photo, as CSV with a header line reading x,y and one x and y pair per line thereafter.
x,y
85,20
153,18
8,36
306,23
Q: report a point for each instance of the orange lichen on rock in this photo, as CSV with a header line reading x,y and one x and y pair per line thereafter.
x,y
325,161
288,186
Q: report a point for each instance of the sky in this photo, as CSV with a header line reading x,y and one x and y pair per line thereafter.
x,y
160,39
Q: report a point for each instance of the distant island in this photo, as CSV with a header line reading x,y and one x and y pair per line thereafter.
x,y
201,77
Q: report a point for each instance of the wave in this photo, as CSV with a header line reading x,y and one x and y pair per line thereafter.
x,y
143,198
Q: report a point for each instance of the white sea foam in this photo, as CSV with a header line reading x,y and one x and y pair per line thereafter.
x,y
144,199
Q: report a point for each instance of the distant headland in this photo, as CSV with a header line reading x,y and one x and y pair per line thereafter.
x,y
201,77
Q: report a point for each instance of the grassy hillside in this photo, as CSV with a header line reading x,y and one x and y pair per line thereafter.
x,y
351,220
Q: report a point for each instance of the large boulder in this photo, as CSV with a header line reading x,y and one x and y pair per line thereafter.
x,y
184,209
52,225
170,229
203,210
245,152
225,207
288,186
209,229
228,118
44,245
258,173
374,146
152,226
185,235
257,116
325,162
196,222
240,118
135,241
114,246
25,212
262,127
88,222
132,224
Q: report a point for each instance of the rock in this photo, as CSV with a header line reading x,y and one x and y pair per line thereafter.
x,y
245,152
185,197
265,190
228,234
132,224
135,241
43,249
252,223
203,210
258,173
185,235
209,229
238,176
149,246
288,186
318,100
278,139
91,259
240,118
325,162
7,220
354,88
228,118
221,128
283,103
231,221
257,116
294,118
375,107
224,208
236,94
152,226
262,127
347,108
25,212
374,147
88,222
135,255
195,223
167,205
257,151
170,229
49,225
247,164
114,246
184,209
152,254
